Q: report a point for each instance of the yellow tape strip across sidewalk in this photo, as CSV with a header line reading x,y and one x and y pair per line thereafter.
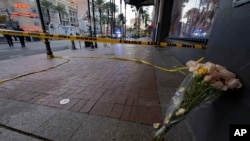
x,y
38,71
104,40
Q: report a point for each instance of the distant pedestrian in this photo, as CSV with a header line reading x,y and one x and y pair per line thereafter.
x,y
77,34
73,44
21,38
9,39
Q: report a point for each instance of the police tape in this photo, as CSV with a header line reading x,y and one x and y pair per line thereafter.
x,y
67,59
104,40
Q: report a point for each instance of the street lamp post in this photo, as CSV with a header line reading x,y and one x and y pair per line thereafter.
x,y
125,19
48,49
111,20
114,29
93,11
89,19
11,24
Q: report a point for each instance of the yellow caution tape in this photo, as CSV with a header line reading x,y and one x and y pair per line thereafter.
x,y
104,40
38,71
176,69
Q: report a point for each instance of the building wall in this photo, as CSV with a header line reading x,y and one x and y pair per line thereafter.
x,y
131,22
82,7
228,46
71,18
27,17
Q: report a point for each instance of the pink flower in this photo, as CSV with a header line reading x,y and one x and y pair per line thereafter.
x,y
208,78
216,75
218,85
233,83
224,73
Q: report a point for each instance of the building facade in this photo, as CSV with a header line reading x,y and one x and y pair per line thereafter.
x,y
24,13
227,31
21,13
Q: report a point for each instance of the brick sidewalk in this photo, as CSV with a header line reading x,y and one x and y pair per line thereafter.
x,y
109,99
112,88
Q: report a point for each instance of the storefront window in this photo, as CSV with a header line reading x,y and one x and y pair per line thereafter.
x,y
193,18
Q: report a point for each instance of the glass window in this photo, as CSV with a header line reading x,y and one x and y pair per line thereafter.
x,y
33,10
12,9
192,18
36,23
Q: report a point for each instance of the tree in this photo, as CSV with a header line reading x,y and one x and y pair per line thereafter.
x,y
190,14
100,5
121,19
145,16
106,9
110,8
60,9
47,5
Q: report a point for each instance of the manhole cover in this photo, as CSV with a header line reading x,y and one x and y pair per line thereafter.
x,y
64,101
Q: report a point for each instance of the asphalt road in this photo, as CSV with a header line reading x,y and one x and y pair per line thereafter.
x,y
32,48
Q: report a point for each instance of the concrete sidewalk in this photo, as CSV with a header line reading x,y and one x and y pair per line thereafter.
x,y
109,99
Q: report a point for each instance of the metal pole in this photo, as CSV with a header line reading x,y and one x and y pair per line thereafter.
x,y
139,22
11,24
93,11
48,49
108,23
111,20
90,26
121,24
125,20
89,18
114,17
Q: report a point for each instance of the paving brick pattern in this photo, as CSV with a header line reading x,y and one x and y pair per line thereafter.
x,y
112,88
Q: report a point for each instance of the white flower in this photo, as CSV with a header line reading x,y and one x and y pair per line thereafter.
x,y
167,118
224,88
192,69
180,111
176,101
210,67
201,69
181,89
191,63
156,125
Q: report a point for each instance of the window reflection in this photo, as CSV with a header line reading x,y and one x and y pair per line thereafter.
x,y
192,18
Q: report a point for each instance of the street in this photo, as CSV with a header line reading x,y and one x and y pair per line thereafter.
x,y
33,48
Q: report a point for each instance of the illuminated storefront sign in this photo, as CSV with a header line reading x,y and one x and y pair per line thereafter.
x,y
25,14
20,5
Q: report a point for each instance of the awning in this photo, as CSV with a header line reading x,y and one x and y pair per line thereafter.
x,y
31,28
139,3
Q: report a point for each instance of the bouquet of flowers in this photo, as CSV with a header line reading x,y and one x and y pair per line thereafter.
x,y
204,84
